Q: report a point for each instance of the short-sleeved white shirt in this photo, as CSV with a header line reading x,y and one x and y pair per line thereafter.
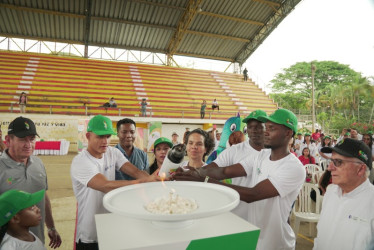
x,y
90,201
347,221
10,243
287,175
233,155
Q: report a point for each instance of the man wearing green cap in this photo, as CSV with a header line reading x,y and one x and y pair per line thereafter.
x,y
93,175
276,177
347,216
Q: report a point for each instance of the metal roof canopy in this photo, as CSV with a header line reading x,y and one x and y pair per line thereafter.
x,y
226,30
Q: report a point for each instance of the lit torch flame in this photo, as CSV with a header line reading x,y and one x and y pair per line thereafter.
x,y
163,177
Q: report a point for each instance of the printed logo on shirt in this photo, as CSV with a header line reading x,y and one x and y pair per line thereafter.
x,y
106,168
10,180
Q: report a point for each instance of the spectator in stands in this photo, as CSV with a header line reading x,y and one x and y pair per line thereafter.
x,y
202,109
22,102
291,146
306,158
309,144
93,175
2,144
298,142
20,169
346,220
368,140
215,104
199,145
143,105
174,138
160,149
245,74
112,103
323,182
126,132
316,135
326,142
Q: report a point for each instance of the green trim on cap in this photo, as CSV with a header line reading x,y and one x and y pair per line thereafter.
x,y
163,140
101,125
255,115
284,117
327,137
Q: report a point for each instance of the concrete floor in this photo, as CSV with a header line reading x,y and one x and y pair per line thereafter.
x,y
64,203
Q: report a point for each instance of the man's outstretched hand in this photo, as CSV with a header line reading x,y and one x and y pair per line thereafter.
x,y
192,174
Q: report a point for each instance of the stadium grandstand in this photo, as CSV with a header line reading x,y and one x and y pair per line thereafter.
x,y
71,56
226,31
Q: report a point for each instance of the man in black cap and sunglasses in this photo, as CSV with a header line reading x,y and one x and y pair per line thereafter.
x,y
347,217
19,169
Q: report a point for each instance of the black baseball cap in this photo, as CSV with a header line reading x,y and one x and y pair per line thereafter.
x,y
352,148
22,127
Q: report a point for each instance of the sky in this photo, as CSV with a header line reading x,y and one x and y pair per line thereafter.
x,y
321,30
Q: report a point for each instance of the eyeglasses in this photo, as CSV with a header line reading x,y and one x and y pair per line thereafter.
x,y
339,162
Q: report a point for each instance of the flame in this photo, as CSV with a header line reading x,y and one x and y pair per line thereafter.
x,y
163,177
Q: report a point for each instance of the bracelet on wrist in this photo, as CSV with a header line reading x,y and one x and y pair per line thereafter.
x,y
51,229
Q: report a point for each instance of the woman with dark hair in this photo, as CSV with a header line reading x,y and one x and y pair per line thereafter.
x,y
308,143
160,149
368,140
198,145
306,158
326,142
22,102
324,181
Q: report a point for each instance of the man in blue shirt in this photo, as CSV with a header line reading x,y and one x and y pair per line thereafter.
x,y
126,132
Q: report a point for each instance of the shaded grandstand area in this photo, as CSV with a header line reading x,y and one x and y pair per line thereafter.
x,y
78,86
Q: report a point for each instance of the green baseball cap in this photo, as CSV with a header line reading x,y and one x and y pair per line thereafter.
x,y
370,132
162,140
13,201
100,125
283,117
327,137
347,134
299,133
307,134
254,115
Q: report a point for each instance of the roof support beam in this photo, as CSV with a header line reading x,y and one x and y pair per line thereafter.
x,y
231,18
272,5
286,7
183,25
87,28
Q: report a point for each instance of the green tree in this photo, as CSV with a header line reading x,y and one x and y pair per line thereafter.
x,y
339,91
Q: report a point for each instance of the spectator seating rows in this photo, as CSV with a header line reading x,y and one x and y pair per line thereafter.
x,y
68,85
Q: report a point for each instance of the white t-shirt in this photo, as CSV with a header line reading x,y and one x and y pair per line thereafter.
x,y
346,221
299,142
287,175
184,164
233,155
90,201
11,243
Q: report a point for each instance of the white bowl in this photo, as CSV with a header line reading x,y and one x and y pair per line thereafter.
x,y
130,201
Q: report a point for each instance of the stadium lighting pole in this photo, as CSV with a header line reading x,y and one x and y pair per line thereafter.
x,y
313,68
